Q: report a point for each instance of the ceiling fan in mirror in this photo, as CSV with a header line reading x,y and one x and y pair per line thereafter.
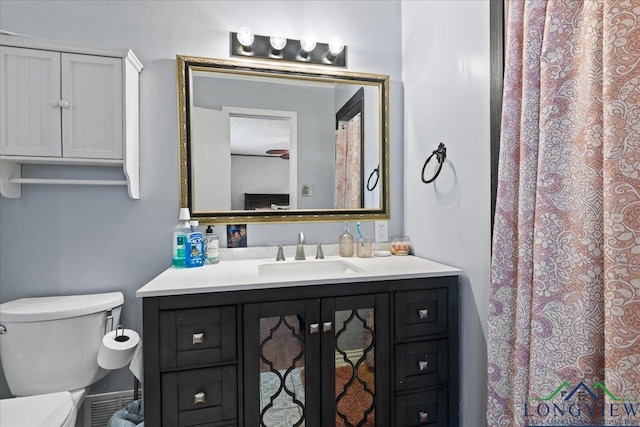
x,y
284,154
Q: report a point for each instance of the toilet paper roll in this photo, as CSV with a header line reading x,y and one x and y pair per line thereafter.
x,y
115,354
136,365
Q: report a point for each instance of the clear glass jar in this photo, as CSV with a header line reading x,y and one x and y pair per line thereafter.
x,y
400,245
364,247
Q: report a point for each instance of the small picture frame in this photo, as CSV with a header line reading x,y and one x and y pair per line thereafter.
x,y
237,236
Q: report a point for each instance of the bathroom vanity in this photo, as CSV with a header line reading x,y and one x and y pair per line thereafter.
x,y
339,341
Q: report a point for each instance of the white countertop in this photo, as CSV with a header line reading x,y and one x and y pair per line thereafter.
x,y
238,270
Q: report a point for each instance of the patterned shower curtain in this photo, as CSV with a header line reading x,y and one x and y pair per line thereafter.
x,y
348,189
564,314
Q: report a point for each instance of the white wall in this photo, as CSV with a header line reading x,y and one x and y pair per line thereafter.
x,y
257,174
66,240
445,48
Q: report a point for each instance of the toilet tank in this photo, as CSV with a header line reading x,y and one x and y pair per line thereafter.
x,y
50,344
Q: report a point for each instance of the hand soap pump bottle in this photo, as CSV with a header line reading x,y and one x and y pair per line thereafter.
x,y
346,242
181,239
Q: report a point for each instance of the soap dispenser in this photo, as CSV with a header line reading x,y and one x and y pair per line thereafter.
x,y
346,242
212,247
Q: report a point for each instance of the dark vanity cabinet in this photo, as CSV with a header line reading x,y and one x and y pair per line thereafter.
x,y
382,353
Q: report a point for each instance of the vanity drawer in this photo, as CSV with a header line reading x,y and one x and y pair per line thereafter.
x,y
428,408
198,336
420,313
199,396
421,364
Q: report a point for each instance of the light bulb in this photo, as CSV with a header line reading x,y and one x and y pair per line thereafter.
x,y
336,45
245,36
278,41
308,43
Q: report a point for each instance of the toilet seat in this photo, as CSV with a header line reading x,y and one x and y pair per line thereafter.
x,y
43,410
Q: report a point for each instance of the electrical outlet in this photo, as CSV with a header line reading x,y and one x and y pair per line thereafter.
x,y
381,231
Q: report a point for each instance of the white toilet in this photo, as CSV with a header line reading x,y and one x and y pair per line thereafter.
x,y
48,348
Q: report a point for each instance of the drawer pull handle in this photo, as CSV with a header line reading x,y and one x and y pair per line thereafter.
x,y
327,327
199,398
423,365
423,314
423,417
198,338
314,328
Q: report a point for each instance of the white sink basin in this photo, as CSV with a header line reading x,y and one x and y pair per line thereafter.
x,y
306,268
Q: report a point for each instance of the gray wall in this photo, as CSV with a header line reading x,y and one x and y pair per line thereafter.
x,y
449,221
68,240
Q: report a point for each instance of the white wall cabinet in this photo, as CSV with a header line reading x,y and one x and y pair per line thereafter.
x,y
67,104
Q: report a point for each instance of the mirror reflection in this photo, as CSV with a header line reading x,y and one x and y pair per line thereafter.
x,y
258,142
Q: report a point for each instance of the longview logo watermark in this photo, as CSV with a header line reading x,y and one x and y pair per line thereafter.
x,y
582,406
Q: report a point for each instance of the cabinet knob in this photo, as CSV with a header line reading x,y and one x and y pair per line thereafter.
x,y
198,338
327,327
423,364
423,314
64,103
199,398
314,328
423,417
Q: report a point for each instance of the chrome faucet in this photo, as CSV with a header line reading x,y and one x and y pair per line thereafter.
x,y
280,256
300,247
319,251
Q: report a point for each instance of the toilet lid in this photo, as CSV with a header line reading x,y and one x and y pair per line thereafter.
x,y
43,410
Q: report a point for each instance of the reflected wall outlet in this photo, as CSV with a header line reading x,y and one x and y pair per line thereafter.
x,y
381,233
307,190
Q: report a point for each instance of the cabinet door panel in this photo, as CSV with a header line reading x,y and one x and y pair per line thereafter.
x,y
93,122
30,88
281,363
355,361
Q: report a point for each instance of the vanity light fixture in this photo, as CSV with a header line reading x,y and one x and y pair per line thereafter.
x,y
245,43
277,41
246,37
336,46
307,44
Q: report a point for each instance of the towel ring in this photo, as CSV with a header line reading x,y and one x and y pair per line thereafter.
x,y
376,171
441,154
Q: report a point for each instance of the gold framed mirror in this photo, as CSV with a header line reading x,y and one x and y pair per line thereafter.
x,y
270,143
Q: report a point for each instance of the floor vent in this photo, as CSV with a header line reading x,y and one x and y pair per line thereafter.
x,y
98,408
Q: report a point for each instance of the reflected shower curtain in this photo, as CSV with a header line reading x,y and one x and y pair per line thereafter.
x,y
564,310
348,189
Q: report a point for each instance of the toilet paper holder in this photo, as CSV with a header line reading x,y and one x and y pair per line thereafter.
x,y
122,337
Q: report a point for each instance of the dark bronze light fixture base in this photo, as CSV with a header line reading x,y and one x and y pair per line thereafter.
x,y
261,49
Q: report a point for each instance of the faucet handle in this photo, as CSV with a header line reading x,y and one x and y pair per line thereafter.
x,y
280,256
319,252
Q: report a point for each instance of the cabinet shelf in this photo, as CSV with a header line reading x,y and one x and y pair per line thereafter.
x,y
54,181
11,179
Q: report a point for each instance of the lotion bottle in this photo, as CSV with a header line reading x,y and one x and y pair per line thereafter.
x,y
211,245
346,242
